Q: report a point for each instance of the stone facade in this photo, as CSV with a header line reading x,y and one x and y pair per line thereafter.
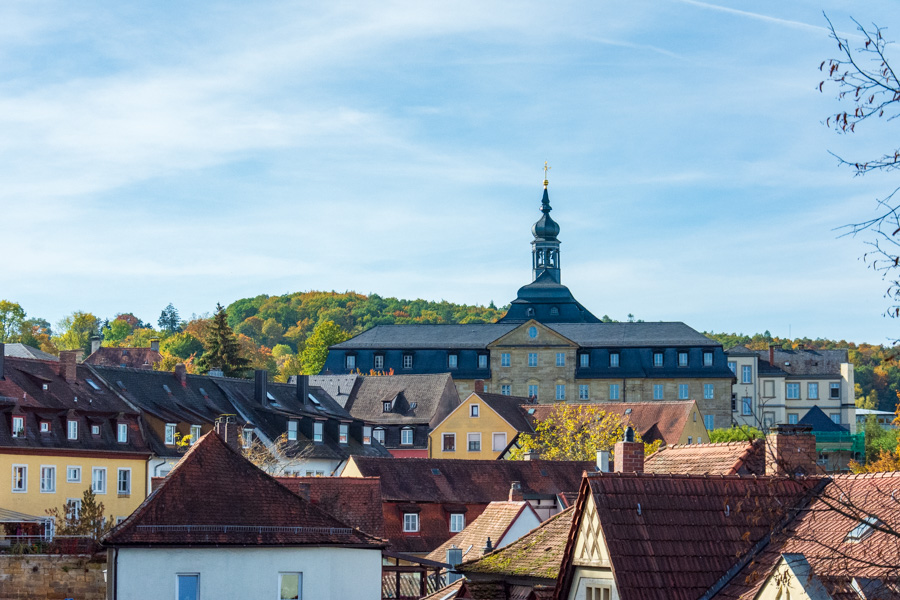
x,y
52,577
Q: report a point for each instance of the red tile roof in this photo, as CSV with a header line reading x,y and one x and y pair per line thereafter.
x,y
728,458
138,358
353,500
493,523
653,420
214,496
675,536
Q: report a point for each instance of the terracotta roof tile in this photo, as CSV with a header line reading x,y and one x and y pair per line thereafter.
x,y
137,358
353,500
447,592
214,496
728,458
492,523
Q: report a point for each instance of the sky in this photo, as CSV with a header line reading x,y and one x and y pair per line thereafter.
x,y
203,152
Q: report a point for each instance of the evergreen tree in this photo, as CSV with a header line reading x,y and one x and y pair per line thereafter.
x,y
168,319
221,348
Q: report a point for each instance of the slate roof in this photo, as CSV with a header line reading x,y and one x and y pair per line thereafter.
x,y
140,358
537,554
653,420
339,387
352,500
215,497
632,334
416,398
493,523
689,530
741,350
728,458
821,422
803,363
470,481
18,350
509,408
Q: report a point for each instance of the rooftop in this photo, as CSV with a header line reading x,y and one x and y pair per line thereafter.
x,y
728,458
493,523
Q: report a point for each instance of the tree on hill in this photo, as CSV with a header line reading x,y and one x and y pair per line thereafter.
x,y
168,319
76,331
221,348
326,334
12,316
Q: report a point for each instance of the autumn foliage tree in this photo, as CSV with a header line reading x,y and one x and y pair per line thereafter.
x,y
327,333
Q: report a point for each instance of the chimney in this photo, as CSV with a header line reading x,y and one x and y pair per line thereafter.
x,y
67,362
772,355
154,344
227,429
2,357
303,389
603,461
479,386
181,374
790,450
95,343
216,372
261,386
629,454
515,492
488,546
303,490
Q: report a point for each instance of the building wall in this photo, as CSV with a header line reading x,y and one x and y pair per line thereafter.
x,y
546,375
42,576
35,502
250,573
460,423
526,521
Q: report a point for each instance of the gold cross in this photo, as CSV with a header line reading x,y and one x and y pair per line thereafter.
x,y
546,168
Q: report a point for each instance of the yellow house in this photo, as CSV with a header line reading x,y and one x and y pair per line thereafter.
x,y
481,427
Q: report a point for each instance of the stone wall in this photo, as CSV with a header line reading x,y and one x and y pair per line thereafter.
x,y
52,577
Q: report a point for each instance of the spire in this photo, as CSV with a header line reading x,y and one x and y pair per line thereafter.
x,y
545,247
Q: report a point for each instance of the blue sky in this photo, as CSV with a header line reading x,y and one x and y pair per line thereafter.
x,y
157,152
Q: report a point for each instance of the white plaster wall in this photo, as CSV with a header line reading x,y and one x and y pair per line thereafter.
x,y
526,522
249,573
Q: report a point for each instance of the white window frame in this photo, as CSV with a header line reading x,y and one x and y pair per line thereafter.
x,y
560,359
504,359
457,522
24,487
444,438
658,359
299,575
482,361
560,391
73,505
682,359
532,359
407,361
506,389
707,359
72,429
196,432
746,406
95,430
709,391
18,432
122,433
658,391
70,469
343,433
94,472
494,446
246,437
584,391
788,394
410,522
812,390
45,427
350,361
367,435
473,411
684,391
318,431
51,488
584,360
746,373
170,433
406,436
614,391
453,361
378,435
834,386
119,474
379,362
473,437
178,577
614,360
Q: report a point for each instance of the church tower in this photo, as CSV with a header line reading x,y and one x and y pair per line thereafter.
x,y
545,246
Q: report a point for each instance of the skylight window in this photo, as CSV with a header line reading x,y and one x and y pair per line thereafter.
x,y
435,471
314,400
203,393
863,530
530,411
270,396
165,387
92,384
121,385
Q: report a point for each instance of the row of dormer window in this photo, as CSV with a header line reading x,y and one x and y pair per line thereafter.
x,y
45,428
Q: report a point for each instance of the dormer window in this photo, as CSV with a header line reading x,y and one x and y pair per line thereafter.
x,y
529,312
682,359
379,362
170,434
452,361
613,359
657,359
707,359
482,361
195,433
407,361
351,361
72,429
367,435
292,431
122,432
343,433
95,430
246,437
378,434
318,431
386,407
18,427
406,436
45,426
554,312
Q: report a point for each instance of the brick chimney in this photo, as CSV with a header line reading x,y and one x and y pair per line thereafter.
x,y
67,363
790,450
227,429
181,374
772,355
154,344
515,492
261,386
479,386
2,358
629,454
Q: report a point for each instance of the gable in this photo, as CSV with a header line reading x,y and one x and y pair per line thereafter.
x,y
520,336
488,418
590,546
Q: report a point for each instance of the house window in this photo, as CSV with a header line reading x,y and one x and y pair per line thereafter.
x,y
20,478
554,311
457,522
343,433
506,389
584,391
560,391
124,486
474,440
188,585
122,432
448,442
613,391
48,479
733,366
378,434
836,418
504,359
613,359
532,390
709,421
73,507
707,359
18,427
95,430
367,435
473,410
792,391
482,361
318,429
682,359
733,403
72,430
386,407
657,359
73,474
657,391
45,426
410,522
812,391
289,586
407,361
560,359
835,390
406,436
498,442
709,391
597,593
195,433
532,359
351,361
379,362
746,374
793,418
683,392
452,361
246,437
746,406
532,332
170,434
690,440
98,480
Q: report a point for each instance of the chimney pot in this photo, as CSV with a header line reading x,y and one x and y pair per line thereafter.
x,y
603,461
488,547
227,429
181,374
515,492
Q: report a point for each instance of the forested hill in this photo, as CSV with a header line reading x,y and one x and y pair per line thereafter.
x,y
877,368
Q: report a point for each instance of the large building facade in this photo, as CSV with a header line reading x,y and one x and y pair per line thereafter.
x,y
549,347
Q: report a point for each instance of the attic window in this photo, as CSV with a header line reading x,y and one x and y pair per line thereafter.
x,y
270,396
95,430
314,400
165,387
435,471
385,407
413,404
45,387
92,384
863,530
